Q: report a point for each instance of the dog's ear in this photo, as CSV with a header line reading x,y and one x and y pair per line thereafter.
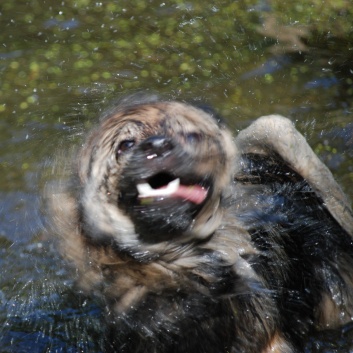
x,y
275,151
299,220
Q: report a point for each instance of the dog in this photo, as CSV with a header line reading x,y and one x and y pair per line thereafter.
x,y
197,241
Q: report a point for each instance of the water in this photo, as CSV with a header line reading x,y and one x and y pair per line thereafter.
x,y
61,62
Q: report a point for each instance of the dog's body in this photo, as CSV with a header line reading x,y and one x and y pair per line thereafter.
x,y
200,244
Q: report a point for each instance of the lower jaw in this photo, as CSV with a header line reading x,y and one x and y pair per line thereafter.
x,y
155,223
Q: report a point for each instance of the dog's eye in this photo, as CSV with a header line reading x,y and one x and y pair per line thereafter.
x,y
193,137
124,146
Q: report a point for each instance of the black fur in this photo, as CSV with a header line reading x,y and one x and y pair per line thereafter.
x,y
298,240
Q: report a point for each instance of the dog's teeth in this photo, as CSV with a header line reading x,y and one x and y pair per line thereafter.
x,y
173,186
145,189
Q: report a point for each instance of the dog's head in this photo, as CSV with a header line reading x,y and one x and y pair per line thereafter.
x,y
155,172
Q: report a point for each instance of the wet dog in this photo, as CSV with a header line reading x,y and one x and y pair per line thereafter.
x,y
198,242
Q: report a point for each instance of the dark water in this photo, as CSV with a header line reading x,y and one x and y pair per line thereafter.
x,y
62,61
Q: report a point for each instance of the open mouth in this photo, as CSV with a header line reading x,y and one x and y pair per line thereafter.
x,y
164,185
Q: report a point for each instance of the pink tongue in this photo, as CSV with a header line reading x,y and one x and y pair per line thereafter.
x,y
194,193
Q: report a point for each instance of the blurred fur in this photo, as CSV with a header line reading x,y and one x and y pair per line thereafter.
x,y
259,265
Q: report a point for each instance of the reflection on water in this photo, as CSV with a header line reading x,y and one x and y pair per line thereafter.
x,y
61,63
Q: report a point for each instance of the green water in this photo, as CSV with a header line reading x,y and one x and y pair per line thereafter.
x,y
62,61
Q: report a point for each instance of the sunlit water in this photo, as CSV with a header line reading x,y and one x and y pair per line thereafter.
x,y
61,63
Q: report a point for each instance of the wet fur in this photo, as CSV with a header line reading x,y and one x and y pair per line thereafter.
x,y
265,262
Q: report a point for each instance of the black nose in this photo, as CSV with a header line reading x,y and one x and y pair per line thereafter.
x,y
157,145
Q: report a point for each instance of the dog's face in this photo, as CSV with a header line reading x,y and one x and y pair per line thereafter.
x,y
155,172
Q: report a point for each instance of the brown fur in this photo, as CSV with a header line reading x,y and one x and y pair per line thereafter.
x,y
214,278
